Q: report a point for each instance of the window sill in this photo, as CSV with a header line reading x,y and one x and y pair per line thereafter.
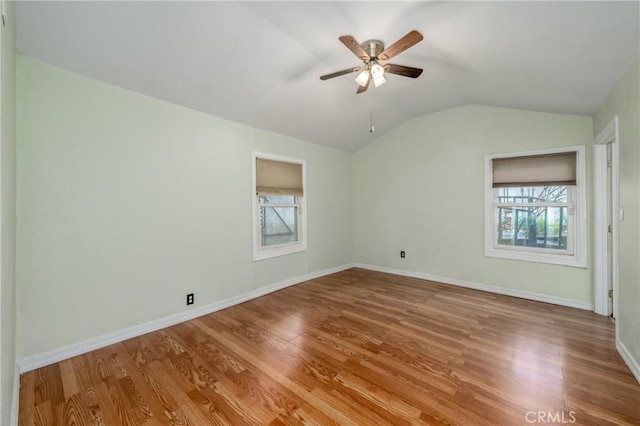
x,y
268,253
527,256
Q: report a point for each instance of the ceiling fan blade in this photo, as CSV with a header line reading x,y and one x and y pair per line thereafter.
x,y
403,70
355,47
362,89
401,45
339,73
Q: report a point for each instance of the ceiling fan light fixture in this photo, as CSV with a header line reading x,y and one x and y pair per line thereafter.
x,y
376,70
363,77
377,73
378,80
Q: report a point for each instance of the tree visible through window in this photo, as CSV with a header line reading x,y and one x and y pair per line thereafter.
x,y
533,216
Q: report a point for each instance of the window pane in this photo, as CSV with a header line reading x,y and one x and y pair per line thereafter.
x,y
285,199
279,225
544,227
533,194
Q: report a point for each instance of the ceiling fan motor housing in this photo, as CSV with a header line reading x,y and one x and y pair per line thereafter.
x,y
373,48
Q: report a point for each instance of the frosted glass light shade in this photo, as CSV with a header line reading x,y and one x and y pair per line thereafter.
x,y
377,70
378,80
363,77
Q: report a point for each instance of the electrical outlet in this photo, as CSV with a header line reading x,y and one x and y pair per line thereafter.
x,y
402,254
190,299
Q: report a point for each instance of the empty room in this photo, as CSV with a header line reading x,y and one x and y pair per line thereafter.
x,y
315,212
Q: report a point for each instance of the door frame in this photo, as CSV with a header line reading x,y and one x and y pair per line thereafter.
x,y
608,135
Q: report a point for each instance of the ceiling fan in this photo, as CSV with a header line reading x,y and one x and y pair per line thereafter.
x,y
372,53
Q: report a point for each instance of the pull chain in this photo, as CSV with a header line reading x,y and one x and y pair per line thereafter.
x,y
371,126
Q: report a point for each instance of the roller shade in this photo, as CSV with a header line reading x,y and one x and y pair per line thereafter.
x,y
535,170
278,177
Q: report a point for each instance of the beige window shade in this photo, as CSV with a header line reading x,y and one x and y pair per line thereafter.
x,y
278,177
535,170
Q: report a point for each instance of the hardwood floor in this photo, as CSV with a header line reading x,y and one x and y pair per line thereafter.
x,y
357,347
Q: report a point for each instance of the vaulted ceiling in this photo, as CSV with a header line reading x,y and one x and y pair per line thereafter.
x,y
259,63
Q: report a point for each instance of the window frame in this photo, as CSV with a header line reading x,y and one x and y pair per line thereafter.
x,y
261,252
577,226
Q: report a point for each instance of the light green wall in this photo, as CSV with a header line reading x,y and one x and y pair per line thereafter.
x,y
7,215
624,101
127,203
419,188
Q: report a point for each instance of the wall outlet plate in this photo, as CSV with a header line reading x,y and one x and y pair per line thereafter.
x,y
190,299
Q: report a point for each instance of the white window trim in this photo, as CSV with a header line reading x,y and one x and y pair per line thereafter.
x,y
579,256
259,252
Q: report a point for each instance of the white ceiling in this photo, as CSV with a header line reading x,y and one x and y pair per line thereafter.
x,y
258,63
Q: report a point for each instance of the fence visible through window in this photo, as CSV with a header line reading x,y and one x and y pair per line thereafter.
x,y
278,219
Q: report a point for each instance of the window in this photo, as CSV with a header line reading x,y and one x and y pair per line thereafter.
x,y
535,206
278,206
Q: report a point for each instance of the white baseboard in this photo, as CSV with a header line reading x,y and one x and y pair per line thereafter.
x,y
15,395
479,286
40,360
628,359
